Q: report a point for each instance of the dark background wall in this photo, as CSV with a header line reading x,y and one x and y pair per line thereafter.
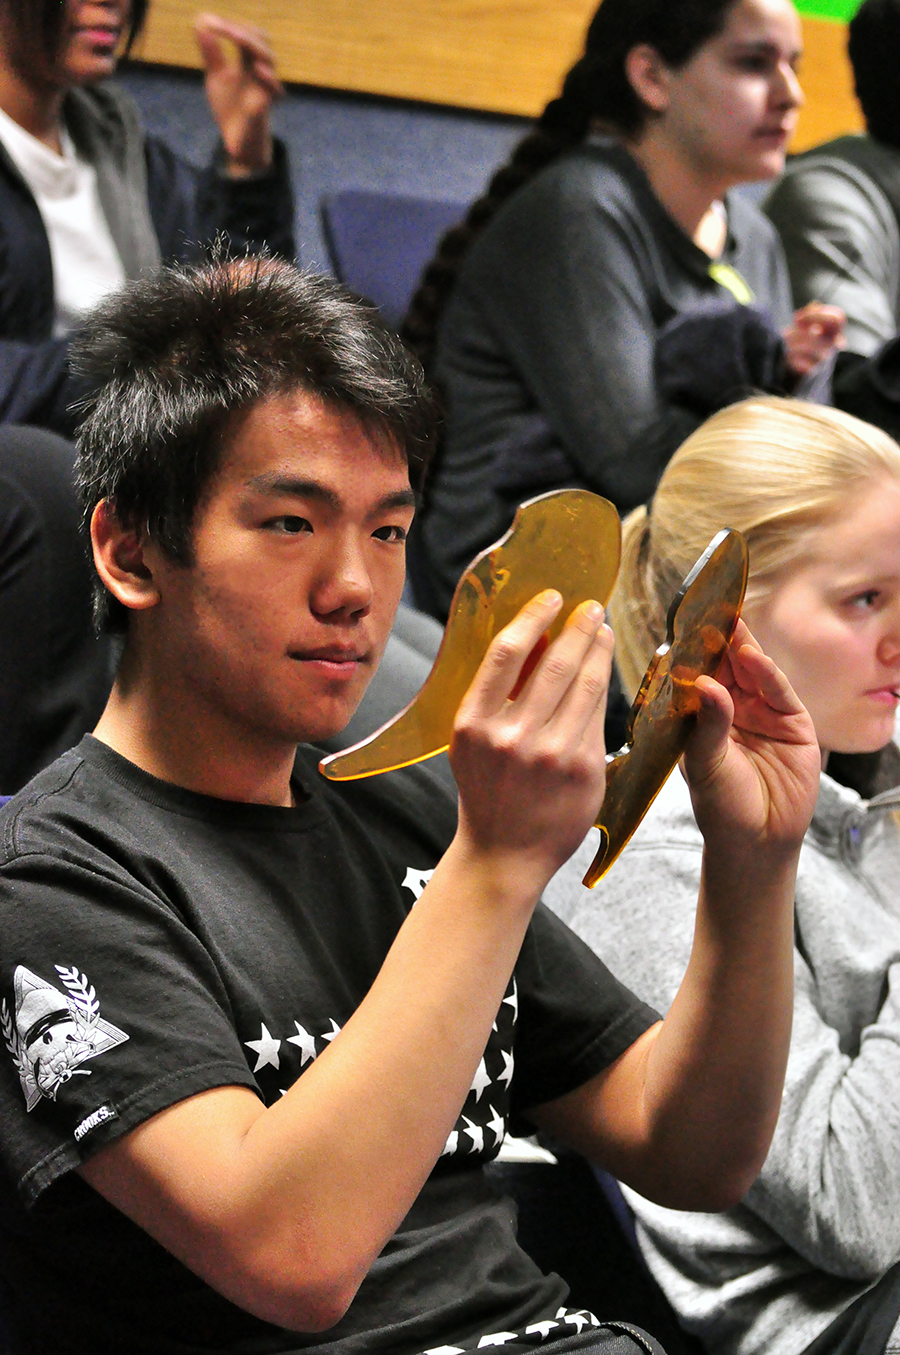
x,y
339,141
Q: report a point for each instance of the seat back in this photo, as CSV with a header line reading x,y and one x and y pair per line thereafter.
x,y
379,243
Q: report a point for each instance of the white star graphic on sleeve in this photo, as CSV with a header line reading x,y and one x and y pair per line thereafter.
x,y
452,1144
335,1030
266,1050
475,1133
513,1001
498,1125
579,1320
542,1329
481,1081
416,880
446,1350
305,1042
508,1065
497,1338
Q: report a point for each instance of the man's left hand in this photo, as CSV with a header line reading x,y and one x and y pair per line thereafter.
x,y
240,94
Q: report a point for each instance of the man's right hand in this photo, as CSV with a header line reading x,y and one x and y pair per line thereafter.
x,y
531,771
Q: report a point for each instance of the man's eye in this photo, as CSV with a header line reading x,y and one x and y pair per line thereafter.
x,y
290,525
396,534
865,601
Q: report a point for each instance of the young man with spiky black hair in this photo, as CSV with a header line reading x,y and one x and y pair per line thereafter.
x,y
250,1088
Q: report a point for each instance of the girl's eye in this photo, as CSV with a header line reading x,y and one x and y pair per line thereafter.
x,y
290,525
394,534
862,602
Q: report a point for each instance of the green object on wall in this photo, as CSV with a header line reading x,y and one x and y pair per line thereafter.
x,y
839,11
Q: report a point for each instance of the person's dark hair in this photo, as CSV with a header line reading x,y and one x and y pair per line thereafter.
x,y
595,91
874,45
175,357
40,22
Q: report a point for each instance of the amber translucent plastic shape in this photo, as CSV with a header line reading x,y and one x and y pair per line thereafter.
x,y
569,540
699,628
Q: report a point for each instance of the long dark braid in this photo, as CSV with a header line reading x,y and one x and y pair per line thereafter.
x,y
596,90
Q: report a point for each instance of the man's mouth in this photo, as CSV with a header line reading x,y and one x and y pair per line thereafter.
x,y
337,659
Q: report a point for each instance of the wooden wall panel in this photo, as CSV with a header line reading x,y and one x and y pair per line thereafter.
x,y
500,56
831,107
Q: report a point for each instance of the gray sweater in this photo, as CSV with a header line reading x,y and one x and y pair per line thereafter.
x,y
822,1222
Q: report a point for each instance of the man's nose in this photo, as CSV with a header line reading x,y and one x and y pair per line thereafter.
x,y
344,585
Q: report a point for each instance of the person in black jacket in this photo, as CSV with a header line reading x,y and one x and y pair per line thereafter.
x,y
87,200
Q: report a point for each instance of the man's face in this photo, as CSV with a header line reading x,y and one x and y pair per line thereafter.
x,y
275,630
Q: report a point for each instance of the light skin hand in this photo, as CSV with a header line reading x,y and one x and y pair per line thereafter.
x,y
532,771
754,789
663,1116
240,93
817,332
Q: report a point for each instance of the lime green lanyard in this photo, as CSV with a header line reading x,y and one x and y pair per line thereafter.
x,y
731,280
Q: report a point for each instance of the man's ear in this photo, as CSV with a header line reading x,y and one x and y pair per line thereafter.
x,y
648,76
120,559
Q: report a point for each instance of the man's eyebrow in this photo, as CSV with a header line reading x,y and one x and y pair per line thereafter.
x,y
403,498
299,488
294,486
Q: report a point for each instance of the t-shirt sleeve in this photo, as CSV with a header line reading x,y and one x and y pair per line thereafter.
x,y
575,1018
96,1043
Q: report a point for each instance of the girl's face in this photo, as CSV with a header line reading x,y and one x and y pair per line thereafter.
x,y
833,624
733,108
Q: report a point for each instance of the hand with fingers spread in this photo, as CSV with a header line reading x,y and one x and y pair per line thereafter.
x,y
240,94
753,762
532,770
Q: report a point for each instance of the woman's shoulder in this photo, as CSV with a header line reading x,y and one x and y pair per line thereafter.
x,y
591,181
104,110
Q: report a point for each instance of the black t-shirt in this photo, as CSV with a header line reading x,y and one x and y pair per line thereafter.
x,y
155,943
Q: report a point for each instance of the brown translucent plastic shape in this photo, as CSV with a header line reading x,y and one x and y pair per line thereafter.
x,y
699,628
569,540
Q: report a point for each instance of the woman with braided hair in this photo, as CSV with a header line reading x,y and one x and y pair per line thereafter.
x,y
606,295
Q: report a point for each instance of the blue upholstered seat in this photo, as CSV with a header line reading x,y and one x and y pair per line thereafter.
x,y
380,242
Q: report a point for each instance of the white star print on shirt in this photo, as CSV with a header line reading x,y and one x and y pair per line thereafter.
x,y
513,1001
416,880
452,1143
335,1030
481,1081
541,1328
305,1042
497,1338
579,1320
266,1050
508,1064
476,1134
498,1125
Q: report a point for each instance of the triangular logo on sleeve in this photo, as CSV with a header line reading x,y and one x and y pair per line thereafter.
x,y
53,1030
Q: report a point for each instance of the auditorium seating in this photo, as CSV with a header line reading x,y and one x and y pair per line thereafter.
x,y
379,243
